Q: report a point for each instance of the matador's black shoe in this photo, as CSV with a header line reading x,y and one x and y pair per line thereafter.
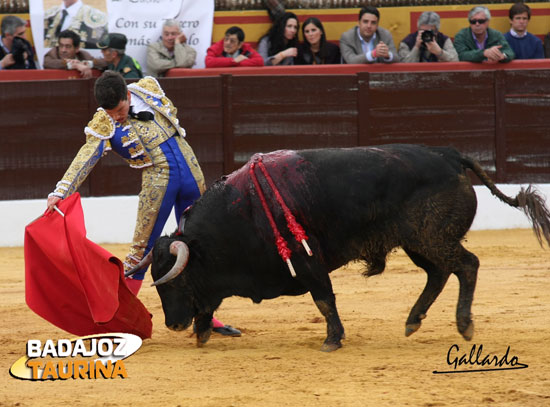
x,y
227,330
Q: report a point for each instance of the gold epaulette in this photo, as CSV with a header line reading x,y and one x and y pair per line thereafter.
x,y
101,125
148,86
93,17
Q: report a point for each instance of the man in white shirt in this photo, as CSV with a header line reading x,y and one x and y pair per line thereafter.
x,y
88,22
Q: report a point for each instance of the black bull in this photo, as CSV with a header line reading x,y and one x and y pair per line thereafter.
x,y
353,204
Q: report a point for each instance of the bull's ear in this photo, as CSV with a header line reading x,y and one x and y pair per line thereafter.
x,y
181,223
181,251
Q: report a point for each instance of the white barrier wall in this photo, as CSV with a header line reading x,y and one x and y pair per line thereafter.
x,y
112,219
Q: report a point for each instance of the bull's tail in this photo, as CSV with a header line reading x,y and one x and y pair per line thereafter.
x,y
528,199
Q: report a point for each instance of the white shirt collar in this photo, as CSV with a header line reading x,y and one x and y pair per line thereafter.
x,y
6,50
73,8
362,39
516,35
138,105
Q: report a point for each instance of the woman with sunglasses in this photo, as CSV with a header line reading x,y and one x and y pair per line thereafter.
x,y
315,50
479,43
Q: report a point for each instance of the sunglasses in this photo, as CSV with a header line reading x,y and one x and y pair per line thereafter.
x,y
480,21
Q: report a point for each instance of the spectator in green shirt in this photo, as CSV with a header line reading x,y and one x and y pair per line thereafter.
x,y
479,43
113,48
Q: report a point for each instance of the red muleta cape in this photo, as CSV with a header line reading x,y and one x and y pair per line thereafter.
x,y
75,284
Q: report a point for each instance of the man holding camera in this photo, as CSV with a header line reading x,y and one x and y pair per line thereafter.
x,y
427,44
15,50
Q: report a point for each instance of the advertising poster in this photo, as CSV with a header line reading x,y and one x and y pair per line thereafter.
x,y
140,20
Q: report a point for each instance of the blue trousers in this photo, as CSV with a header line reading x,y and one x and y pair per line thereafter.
x,y
169,183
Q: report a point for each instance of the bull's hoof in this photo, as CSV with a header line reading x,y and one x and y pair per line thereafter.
x,y
177,327
412,328
329,347
203,337
467,333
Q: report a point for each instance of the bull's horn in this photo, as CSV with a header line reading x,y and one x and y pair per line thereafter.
x,y
179,249
145,262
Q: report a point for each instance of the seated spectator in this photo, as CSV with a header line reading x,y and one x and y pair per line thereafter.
x,y
427,44
316,50
232,51
68,55
367,42
171,51
280,45
479,43
113,48
15,51
524,44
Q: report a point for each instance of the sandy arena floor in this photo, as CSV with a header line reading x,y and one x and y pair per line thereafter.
x,y
277,361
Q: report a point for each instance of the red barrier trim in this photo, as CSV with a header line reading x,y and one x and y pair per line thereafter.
x,y
353,69
41,74
59,74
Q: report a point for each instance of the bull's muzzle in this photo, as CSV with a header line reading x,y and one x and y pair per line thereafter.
x,y
181,251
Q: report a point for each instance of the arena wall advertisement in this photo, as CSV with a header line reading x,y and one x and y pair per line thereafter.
x,y
140,20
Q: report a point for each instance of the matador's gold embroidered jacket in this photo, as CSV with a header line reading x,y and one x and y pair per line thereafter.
x,y
133,140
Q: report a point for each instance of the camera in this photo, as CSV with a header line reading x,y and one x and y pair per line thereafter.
x,y
19,47
427,36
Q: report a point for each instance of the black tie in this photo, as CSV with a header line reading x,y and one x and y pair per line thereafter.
x,y
58,29
142,116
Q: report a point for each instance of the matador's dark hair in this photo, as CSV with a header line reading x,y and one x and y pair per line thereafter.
x,y
110,89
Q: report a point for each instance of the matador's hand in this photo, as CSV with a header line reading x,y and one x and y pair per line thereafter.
x,y
52,201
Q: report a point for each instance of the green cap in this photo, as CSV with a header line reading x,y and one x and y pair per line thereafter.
x,y
113,40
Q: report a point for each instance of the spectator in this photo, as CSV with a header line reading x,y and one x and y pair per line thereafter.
x,y
547,45
368,43
479,43
15,50
316,50
171,51
279,45
88,22
427,44
525,45
113,48
68,55
232,51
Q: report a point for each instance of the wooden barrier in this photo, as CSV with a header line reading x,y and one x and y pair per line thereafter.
x,y
496,113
